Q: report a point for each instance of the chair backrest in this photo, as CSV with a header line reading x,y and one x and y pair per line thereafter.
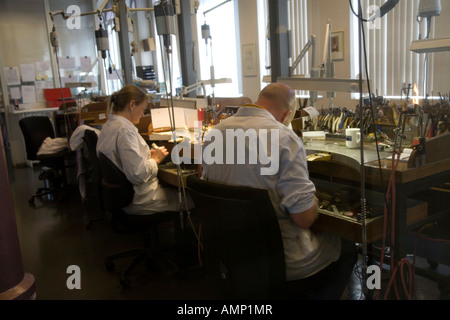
x,y
118,188
242,243
119,193
90,139
35,130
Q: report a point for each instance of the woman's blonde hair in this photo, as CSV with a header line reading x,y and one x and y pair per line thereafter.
x,y
120,99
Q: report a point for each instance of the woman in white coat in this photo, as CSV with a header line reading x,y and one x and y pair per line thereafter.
x,y
120,141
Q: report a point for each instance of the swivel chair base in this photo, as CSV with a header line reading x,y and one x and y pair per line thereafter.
x,y
152,259
53,185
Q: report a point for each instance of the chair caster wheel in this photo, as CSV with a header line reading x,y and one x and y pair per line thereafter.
x,y
109,265
126,283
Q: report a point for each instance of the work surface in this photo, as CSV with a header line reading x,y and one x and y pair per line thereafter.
x,y
376,174
374,164
345,166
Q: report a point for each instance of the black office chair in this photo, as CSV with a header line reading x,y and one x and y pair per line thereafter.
x,y
92,199
119,193
242,244
35,130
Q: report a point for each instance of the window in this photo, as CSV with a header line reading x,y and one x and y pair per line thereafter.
x,y
298,25
168,65
75,42
391,65
221,47
299,37
264,40
112,63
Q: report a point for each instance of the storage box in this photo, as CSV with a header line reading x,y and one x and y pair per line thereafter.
x,y
54,97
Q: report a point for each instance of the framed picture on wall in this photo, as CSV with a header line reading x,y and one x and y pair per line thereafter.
x,y
249,60
337,45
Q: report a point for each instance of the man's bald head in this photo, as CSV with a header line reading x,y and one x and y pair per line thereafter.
x,y
279,100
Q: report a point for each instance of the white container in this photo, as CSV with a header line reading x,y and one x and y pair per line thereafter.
x,y
352,138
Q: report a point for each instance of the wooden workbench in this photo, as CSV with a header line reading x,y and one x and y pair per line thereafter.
x,y
345,167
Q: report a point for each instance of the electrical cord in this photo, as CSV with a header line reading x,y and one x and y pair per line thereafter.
x,y
411,279
181,186
113,67
66,121
354,13
361,25
407,291
391,187
371,104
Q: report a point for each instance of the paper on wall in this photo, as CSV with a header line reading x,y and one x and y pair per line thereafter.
x,y
12,76
28,72
15,93
42,66
66,62
40,86
28,94
85,64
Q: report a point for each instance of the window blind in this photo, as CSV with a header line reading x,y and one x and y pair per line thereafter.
x,y
298,26
390,62
299,36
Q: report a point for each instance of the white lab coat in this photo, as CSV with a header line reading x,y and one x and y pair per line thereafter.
x,y
121,142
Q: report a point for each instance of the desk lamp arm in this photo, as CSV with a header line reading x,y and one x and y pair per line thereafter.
x,y
188,89
310,44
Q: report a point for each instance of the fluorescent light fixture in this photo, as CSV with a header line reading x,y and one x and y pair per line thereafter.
x,y
218,81
325,84
303,96
430,45
189,103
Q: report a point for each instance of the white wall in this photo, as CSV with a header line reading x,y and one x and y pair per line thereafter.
x,y
23,40
320,11
248,31
142,20
338,12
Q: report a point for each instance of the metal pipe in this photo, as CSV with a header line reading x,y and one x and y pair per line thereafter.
x,y
309,44
65,17
213,8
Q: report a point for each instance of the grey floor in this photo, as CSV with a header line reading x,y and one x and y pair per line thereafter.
x,y
53,236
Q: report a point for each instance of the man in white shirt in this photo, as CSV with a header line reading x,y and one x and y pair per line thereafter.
x,y
267,154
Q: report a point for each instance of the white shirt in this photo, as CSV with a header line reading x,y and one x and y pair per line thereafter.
x,y
290,189
76,139
121,142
